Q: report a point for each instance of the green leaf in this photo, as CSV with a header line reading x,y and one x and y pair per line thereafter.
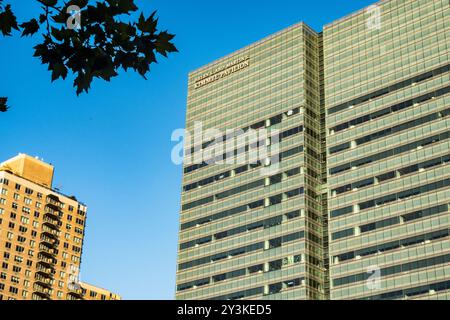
x,y
123,6
61,17
149,24
42,18
8,21
3,106
49,3
82,82
30,27
58,33
79,3
163,44
59,70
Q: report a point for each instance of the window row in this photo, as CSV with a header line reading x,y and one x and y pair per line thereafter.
x,y
389,153
267,245
241,150
391,175
389,89
391,131
389,110
243,208
388,271
246,187
385,247
393,197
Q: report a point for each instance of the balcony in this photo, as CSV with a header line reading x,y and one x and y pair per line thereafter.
x,y
44,273
52,218
41,291
43,281
48,266
50,225
45,249
46,256
47,241
46,259
51,233
75,293
53,200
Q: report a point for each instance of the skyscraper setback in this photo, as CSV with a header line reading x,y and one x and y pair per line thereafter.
x,y
357,207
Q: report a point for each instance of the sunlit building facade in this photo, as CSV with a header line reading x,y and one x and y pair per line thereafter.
x,y
387,96
246,233
359,206
41,234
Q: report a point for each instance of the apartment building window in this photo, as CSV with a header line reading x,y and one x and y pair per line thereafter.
x,y
29,263
16,269
4,192
4,181
6,255
24,294
33,233
30,253
39,195
38,205
15,280
14,206
18,259
35,224
25,220
76,249
11,225
22,229
16,196
13,290
8,245
3,275
28,191
5,265
13,215
2,287
2,201
26,210
27,201
20,249
10,235
27,273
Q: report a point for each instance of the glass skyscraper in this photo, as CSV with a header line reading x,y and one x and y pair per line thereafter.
x,y
387,88
350,200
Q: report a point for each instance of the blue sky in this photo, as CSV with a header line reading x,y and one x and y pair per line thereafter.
x,y
112,147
